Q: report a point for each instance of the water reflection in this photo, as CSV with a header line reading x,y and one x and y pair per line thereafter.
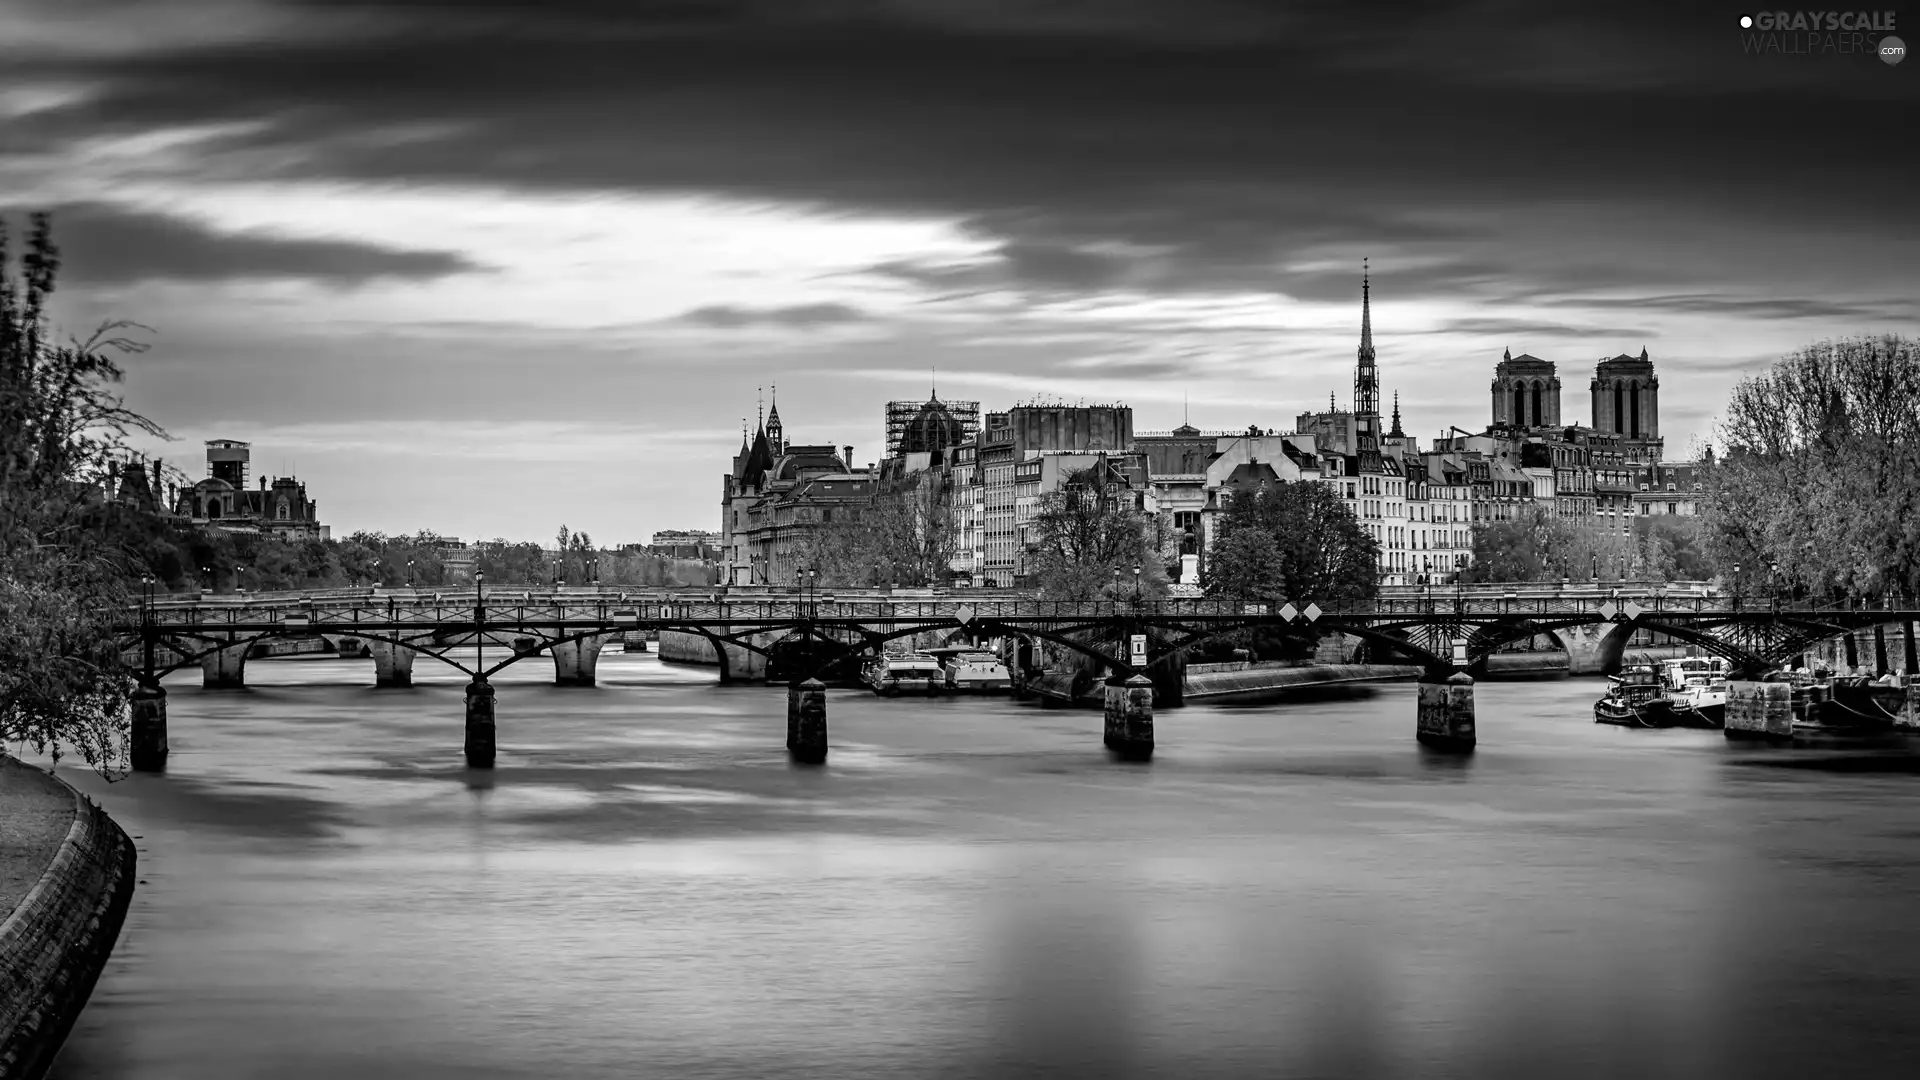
x,y
970,888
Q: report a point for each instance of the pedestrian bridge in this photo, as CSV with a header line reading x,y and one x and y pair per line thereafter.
x,y
1142,644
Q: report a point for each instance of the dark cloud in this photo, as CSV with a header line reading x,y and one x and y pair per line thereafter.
x,y
796,317
1169,145
105,245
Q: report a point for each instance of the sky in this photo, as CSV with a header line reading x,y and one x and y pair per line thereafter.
x,y
486,267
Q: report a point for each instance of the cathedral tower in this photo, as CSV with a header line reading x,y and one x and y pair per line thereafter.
x,y
1626,400
1526,392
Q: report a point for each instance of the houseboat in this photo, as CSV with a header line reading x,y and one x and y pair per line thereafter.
x,y
1696,690
972,670
1635,698
890,675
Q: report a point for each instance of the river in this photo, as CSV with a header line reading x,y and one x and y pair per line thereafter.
x,y
970,888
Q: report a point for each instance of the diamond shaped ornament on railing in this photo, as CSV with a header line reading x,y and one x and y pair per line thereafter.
x,y
1607,611
1289,612
964,613
1632,609
1313,612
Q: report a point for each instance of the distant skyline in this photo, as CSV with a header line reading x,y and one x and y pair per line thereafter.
x,y
487,267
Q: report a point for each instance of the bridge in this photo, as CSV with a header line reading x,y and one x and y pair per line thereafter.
x,y
1141,644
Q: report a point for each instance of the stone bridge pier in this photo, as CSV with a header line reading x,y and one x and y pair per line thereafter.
x,y
225,667
392,664
574,661
480,743
807,721
148,739
1445,720
1129,717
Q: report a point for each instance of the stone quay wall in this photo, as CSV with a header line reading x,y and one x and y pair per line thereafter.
x,y
55,943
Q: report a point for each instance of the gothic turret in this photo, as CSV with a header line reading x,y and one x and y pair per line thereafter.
x,y
775,434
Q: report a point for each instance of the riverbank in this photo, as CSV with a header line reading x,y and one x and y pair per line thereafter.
x,y
66,878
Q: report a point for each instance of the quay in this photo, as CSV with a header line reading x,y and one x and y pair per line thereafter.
x,y
66,878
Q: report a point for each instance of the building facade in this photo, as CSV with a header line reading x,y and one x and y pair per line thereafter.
x,y
278,507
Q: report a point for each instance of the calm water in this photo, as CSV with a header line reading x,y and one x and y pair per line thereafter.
x,y
645,887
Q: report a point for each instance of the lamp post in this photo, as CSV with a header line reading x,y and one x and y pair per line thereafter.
x,y
1773,583
409,573
479,624
1136,584
206,579
1736,586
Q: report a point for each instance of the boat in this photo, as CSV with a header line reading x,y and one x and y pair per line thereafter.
x,y
890,675
971,670
1827,705
1635,698
1696,690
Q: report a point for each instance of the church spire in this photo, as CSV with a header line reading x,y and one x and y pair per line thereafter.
x,y
760,408
1366,376
775,433
1396,433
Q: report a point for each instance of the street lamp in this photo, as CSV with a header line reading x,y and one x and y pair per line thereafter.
x,y
1136,583
206,579
1736,586
409,573
1773,583
479,623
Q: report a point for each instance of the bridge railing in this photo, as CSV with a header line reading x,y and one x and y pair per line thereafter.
x,y
510,607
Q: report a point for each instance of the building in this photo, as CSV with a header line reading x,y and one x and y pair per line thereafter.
x,y
1670,488
1021,433
931,426
1045,472
1626,402
278,507
776,500
682,544
1526,392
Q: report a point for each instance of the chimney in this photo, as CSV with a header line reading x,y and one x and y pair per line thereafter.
x,y
849,458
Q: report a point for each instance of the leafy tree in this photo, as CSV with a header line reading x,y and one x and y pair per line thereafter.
x,y
1821,474
64,574
1092,524
1297,540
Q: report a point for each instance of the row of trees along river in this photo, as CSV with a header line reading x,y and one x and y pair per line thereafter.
x,y
1814,492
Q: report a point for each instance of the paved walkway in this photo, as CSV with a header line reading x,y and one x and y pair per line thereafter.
x,y
35,814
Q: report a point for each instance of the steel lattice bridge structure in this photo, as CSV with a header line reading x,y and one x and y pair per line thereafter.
x,y
1141,643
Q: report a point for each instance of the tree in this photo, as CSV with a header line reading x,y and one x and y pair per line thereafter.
x,y
1090,525
1821,471
1297,540
64,574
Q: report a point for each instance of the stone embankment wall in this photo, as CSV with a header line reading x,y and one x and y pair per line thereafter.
x,y
56,941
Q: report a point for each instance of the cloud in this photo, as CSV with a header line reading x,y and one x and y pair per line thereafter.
x,y
1525,328
103,244
1764,308
795,317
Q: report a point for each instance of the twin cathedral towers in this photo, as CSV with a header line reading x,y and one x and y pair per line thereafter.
x,y
1526,390
1626,395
